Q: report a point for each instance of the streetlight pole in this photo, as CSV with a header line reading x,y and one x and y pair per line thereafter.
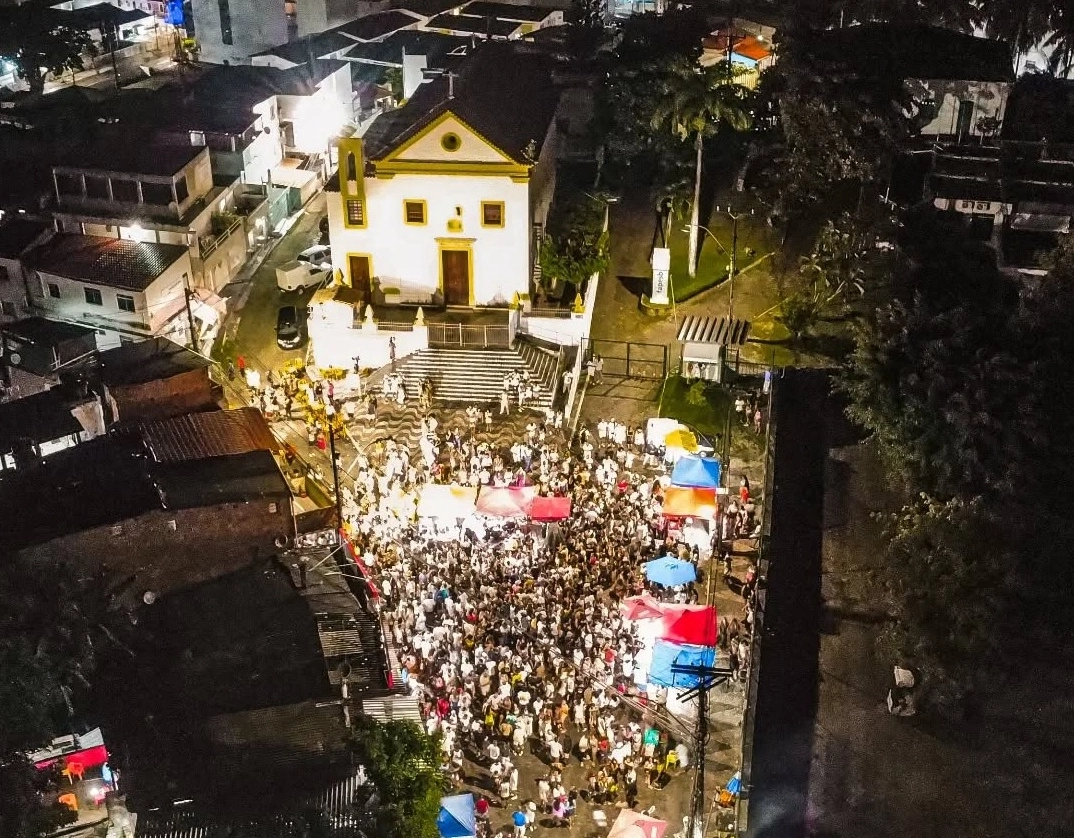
x,y
330,414
733,267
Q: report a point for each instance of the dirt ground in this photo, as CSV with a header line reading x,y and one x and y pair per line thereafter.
x,y
1007,772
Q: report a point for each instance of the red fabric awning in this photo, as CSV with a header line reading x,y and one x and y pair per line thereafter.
x,y
689,503
88,758
694,625
550,508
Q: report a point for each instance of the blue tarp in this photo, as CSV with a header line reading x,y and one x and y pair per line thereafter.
x,y
457,818
696,473
666,655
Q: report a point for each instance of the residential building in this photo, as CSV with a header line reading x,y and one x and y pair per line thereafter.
x,y
45,423
439,202
127,290
36,352
107,507
159,193
17,236
157,379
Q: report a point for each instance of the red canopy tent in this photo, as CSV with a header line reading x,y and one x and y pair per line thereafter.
x,y
550,508
694,625
504,502
642,607
689,503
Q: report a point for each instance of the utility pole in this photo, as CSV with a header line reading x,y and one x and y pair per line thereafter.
x,y
330,414
187,294
733,267
707,678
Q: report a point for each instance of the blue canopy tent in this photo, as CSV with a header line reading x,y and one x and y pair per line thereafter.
x,y
692,472
457,818
666,655
670,572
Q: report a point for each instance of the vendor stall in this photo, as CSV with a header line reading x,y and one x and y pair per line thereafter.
x,y
550,508
689,503
457,817
505,502
693,472
705,341
694,625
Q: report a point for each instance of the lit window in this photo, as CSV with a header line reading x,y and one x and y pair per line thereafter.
x,y
125,302
414,212
492,213
355,213
93,297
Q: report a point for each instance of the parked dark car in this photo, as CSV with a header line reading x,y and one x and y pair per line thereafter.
x,y
288,329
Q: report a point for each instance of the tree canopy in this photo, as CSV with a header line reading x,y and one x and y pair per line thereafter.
x,y
403,763
38,41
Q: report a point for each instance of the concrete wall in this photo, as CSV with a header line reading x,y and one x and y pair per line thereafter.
x,y
202,544
12,291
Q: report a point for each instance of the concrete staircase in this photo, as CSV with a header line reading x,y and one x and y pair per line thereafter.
x,y
475,376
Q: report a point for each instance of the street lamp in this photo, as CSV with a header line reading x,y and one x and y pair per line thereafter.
x,y
330,414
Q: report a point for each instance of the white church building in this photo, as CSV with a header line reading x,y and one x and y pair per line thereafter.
x,y
438,203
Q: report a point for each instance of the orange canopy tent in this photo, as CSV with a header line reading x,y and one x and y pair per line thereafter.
x,y
689,503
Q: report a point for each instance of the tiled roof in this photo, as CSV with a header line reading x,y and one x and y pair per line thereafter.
x,y
18,234
148,360
506,95
216,433
115,263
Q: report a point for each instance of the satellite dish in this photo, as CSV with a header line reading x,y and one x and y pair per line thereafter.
x,y
149,597
15,358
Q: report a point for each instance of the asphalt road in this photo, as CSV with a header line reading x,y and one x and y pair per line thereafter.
x,y
255,336
787,693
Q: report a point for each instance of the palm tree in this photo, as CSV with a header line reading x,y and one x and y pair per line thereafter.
x,y
697,101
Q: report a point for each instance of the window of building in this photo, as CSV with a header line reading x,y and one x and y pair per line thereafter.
x,y
97,187
226,35
125,190
181,190
7,308
414,212
69,184
93,296
492,213
5,274
125,302
355,213
54,290
157,193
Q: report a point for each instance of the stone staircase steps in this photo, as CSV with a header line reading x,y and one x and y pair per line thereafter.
x,y
475,376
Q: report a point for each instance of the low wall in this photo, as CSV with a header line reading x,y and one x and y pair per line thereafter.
x,y
335,346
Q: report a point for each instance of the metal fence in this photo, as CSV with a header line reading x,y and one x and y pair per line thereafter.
x,y
628,359
470,337
394,326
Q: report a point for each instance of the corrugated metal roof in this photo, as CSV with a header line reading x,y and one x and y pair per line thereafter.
x,y
197,436
719,330
392,707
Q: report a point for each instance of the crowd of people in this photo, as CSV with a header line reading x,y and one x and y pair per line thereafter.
x,y
510,633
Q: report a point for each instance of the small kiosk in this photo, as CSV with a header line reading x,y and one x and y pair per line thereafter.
x,y
704,345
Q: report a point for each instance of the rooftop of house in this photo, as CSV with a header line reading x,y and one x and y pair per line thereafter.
x,y
244,85
39,418
428,8
505,95
507,11
109,480
100,260
377,26
1040,108
435,46
216,433
148,360
318,46
91,17
18,234
39,331
490,26
914,51
138,158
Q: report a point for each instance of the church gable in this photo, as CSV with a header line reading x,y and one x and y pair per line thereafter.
x,y
448,140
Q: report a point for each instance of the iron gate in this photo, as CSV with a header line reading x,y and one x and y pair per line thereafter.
x,y
629,359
